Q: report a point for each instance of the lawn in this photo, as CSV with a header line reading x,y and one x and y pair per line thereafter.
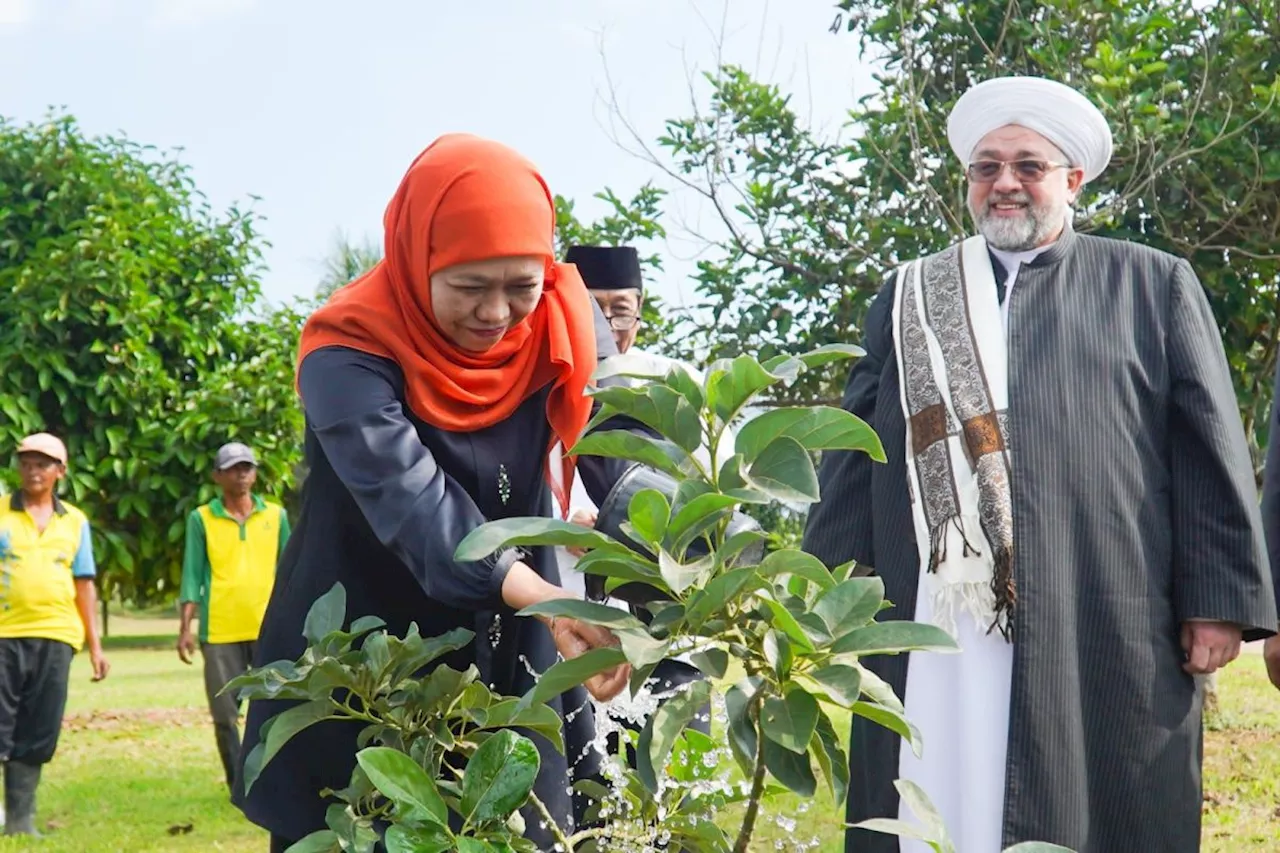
x,y
137,772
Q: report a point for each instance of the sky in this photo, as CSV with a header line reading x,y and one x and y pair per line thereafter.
x,y
316,107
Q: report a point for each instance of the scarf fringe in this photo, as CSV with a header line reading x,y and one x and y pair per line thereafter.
x,y
938,542
950,600
1004,593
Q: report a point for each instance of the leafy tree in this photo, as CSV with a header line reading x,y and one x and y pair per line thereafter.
x,y
635,222
346,262
814,222
135,330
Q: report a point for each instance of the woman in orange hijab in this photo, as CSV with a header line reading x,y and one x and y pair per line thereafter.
x,y
434,388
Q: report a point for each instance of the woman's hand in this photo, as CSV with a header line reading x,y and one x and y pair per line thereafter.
x,y
524,587
574,638
583,518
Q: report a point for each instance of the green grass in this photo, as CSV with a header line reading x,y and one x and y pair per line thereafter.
x,y
135,763
137,772
1241,778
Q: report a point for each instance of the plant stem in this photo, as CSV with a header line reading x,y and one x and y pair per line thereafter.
x,y
552,826
757,786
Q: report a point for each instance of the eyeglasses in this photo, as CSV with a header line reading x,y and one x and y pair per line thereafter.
x,y
622,322
1026,171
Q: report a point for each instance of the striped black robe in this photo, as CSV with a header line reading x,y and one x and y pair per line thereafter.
x,y
1134,509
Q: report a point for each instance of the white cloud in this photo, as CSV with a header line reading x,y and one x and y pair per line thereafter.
x,y
187,12
14,12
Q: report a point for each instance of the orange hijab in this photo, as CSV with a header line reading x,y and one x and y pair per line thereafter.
x,y
467,199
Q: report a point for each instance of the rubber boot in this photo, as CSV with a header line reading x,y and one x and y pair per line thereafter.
x,y
20,781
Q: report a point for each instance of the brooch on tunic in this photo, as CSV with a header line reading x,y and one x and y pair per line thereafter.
x,y
504,484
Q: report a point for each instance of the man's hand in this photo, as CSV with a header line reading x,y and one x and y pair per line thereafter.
x,y
584,518
574,638
1209,645
186,647
101,666
1271,655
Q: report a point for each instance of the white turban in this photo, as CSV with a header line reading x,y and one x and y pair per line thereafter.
x,y
1057,112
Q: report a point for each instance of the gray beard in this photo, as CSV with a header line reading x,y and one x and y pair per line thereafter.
x,y
1021,234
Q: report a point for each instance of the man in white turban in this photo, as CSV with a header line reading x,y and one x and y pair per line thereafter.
x,y
1068,491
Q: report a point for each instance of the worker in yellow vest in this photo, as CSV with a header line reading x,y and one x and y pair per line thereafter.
x,y
233,543
47,606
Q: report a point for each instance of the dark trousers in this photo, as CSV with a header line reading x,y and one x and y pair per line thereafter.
x,y
33,696
223,662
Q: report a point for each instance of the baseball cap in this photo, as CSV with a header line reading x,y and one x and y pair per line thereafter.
x,y
233,453
46,445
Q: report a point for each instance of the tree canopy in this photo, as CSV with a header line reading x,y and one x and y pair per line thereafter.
x,y
814,222
135,329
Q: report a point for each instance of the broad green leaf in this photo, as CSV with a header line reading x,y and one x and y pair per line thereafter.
x,y
695,757
641,648
665,615
664,726
648,513
320,841
843,684
467,844
400,779
625,567
914,797
738,543
878,690
732,480
718,592
788,368
570,673
730,390
697,512
680,576
779,654
816,428
679,379
794,771
278,731
443,686
590,612
656,406
742,730
640,676
892,720
326,614
413,657
883,638
850,604
679,421
508,714
902,829
355,835
488,539
377,653
791,720
829,353
429,839
713,663
836,767
498,778
624,444
783,619
784,470
799,564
